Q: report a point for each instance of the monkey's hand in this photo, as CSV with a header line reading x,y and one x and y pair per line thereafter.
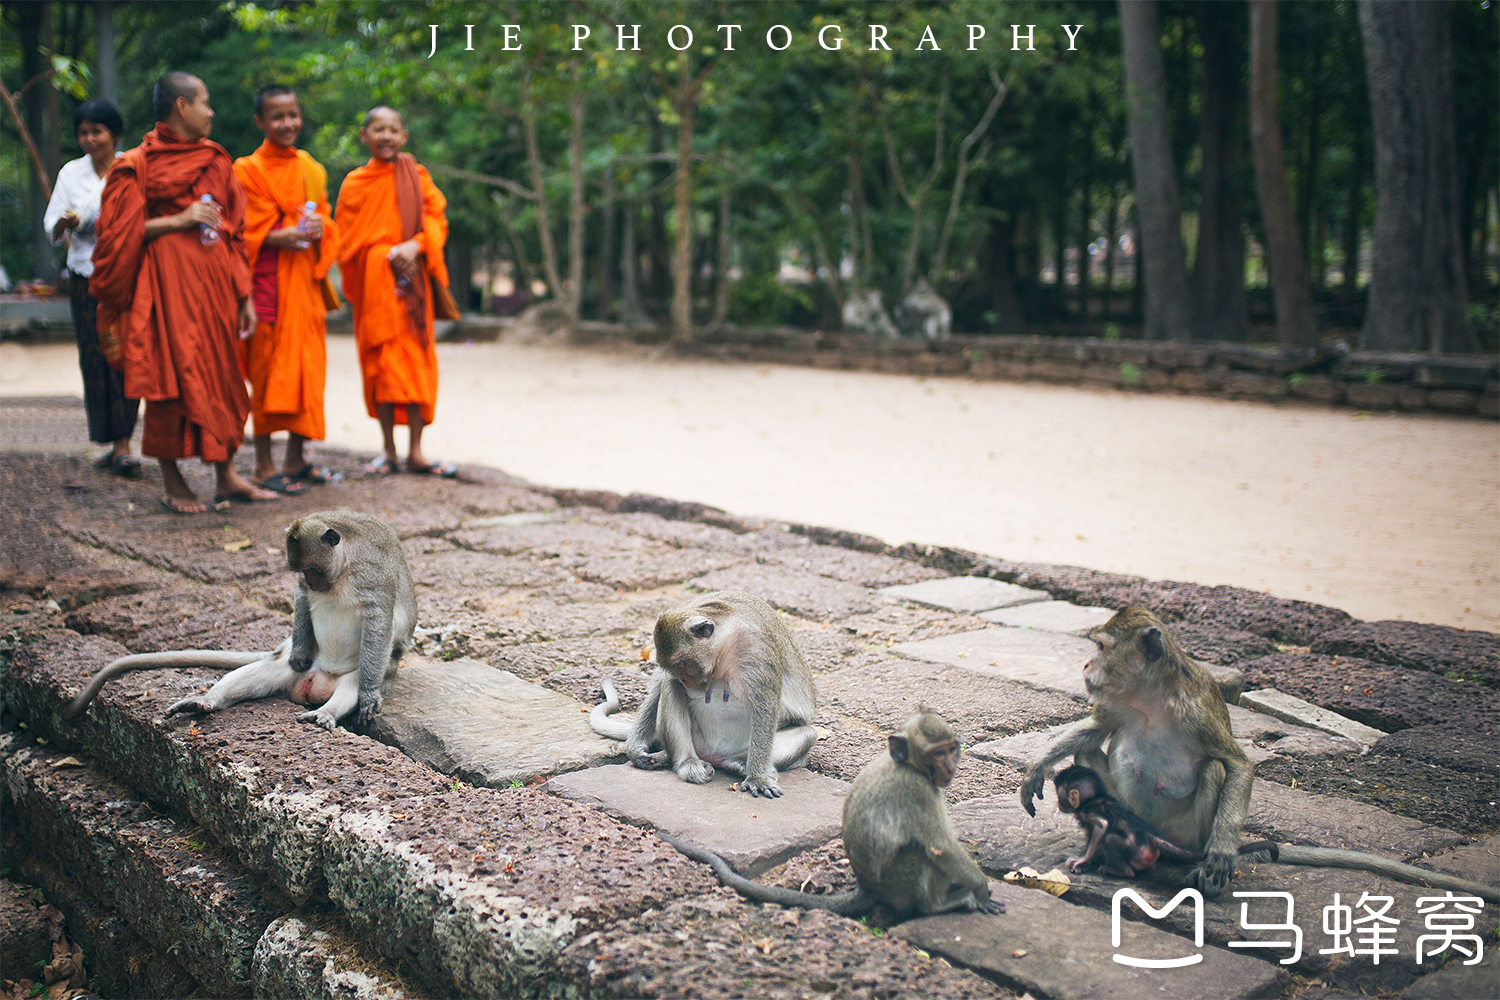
x,y
644,759
301,660
1214,874
764,784
1074,864
199,705
319,717
1031,788
369,707
992,906
697,772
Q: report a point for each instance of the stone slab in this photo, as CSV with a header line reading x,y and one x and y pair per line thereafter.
x,y
294,959
966,594
1281,705
1479,861
753,834
806,595
1457,981
1048,660
487,726
1050,616
1047,946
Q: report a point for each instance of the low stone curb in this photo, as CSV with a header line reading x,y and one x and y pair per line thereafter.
x,y
1280,705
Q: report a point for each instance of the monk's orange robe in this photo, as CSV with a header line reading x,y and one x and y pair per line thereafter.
x,y
286,361
173,301
398,361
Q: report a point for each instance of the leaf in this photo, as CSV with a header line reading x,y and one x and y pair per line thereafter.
x,y
68,762
237,546
1054,882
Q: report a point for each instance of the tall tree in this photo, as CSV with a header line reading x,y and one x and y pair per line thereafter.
x,y
1168,307
1219,268
1418,291
1296,320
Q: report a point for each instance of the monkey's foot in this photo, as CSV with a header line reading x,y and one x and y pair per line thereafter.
x,y
1075,863
992,906
200,705
1212,877
765,785
319,717
699,772
1031,788
368,709
647,761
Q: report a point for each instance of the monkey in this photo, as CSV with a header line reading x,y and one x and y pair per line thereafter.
x,y
1129,844
1173,761
896,834
353,619
731,690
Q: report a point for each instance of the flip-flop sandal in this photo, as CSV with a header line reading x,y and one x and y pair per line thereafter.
x,y
126,466
380,467
171,508
283,484
223,499
444,470
316,475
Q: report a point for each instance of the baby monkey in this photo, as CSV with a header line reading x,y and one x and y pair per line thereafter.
x,y
1120,842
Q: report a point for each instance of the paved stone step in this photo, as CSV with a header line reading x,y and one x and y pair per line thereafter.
x,y
296,960
1459,981
475,890
752,834
486,726
718,946
1051,616
1281,705
795,591
1007,839
1050,947
966,594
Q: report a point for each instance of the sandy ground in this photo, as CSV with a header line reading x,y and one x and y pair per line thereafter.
x,y
1383,515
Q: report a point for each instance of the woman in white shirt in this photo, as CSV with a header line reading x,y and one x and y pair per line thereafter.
x,y
70,217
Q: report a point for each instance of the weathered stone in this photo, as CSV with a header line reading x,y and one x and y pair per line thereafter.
x,y
863,568
549,539
806,595
1411,397
1190,380
924,314
1174,356
1458,980
486,726
839,538
1281,705
1292,816
1214,644
722,948
1451,652
885,692
1453,400
1319,388
297,960
1050,616
1371,395
1047,660
25,928
966,594
1455,373
1456,747
648,570
898,621
1248,385
751,833
1479,861
1045,945
1363,366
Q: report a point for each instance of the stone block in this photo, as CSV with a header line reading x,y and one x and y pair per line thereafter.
x,y
753,834
1479,861
487,726
1489,406
1460,981
25,929
1292,816
1050,616
297,960
1017,369
1175,356
1364,365
1250,385
806,595
1049,660
1371,395
1455,373
1453,400
1318,388
1155,380
1049,370
1411,398
1460,654
865,569
967,594
1048,946
1197,380
1281,705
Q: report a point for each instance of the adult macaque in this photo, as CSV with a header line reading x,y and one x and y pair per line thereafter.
x,y
1172,760
1128,844
896,834
353,620
731,690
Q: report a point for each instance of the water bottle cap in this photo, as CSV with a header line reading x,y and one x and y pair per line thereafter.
x,y
310,206
207,197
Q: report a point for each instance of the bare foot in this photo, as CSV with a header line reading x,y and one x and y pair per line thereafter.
x,y
183,505
233,486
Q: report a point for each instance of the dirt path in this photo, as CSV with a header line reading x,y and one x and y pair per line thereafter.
x,y
1383,515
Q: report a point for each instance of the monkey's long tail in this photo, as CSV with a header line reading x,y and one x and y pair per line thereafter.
x,y
600,716
846,904
1329,857
214,659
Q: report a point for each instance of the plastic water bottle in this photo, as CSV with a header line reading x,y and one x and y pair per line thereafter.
x,y
304,224
210,233
403,285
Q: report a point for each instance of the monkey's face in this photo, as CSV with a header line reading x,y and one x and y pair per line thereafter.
x,y
1131,645
688,643
314,549
942,763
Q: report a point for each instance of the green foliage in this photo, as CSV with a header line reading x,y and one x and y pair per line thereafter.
x,y
1296,379
1129,374
1374,376
763,301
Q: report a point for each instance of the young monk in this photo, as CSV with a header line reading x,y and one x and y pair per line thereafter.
x,y
286,359
390,215
173,286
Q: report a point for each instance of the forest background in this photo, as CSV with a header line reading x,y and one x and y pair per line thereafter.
x,y
1193,170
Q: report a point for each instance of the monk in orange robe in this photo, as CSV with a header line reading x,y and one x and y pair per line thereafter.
x,y
390,248
174,290
290,251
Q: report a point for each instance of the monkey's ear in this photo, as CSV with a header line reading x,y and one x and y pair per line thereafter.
x,y
700,626
1151,644
1074,797
330,538
900,752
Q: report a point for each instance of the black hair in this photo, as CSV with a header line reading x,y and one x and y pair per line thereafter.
x,y
170,87
370,115
270,90
100,112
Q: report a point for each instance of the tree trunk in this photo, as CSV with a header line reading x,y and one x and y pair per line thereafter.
x,y
574,295
1296,322
1307,193
1085,211
1112,234
631,310
1160,251
682,260
657,268
1418,291
539,186
999,252
106,76
721,262
460,259
1219,269
607,262
30,22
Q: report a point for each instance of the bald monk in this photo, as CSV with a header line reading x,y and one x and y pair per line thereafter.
x,y
286,359
176,304
390,215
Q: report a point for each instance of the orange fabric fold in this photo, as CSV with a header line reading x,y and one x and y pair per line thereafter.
x,y
286,361
397,360
173,301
